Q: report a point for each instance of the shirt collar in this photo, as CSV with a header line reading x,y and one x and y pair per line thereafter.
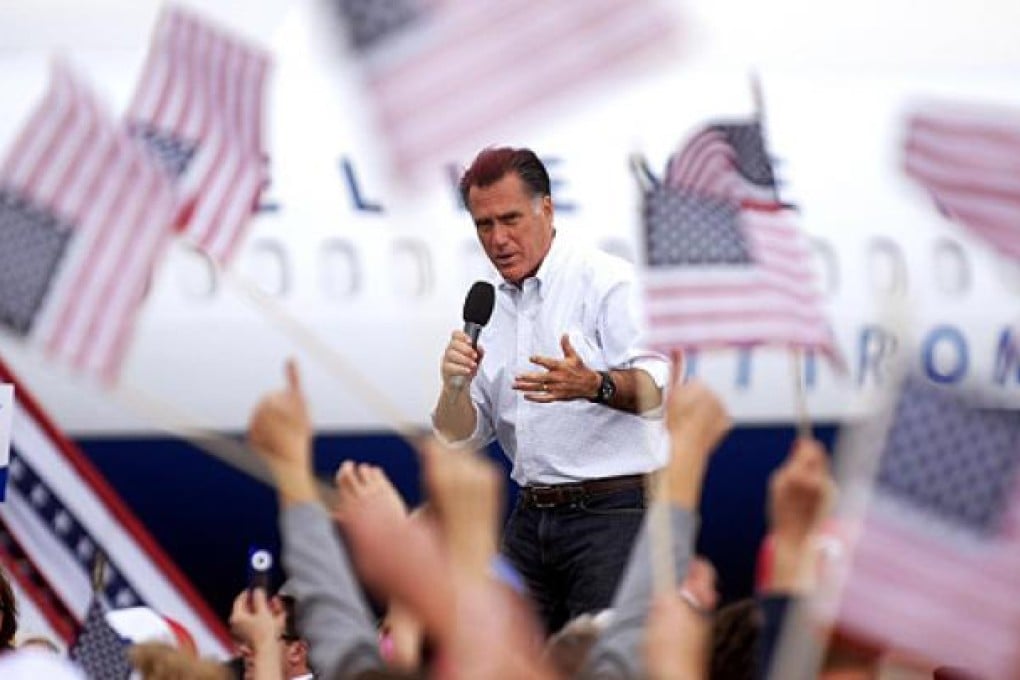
x,y
547,271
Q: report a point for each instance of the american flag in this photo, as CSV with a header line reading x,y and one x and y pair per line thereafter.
x,y
100,652
199,107
936,571
725,160
60,512
969,161
719,274
445,75
6,420
84,216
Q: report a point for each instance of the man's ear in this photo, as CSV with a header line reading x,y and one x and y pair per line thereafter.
x,y
547,206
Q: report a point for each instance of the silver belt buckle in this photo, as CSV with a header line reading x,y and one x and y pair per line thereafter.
x,y
535,503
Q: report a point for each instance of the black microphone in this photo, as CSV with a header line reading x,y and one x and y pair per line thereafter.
x,y
478,307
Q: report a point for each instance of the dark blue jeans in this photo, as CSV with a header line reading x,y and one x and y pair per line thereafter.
x,y
573,556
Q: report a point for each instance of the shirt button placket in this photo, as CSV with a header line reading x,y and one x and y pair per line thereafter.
x,y
525,323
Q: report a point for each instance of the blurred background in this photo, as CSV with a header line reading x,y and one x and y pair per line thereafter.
x,y
374,262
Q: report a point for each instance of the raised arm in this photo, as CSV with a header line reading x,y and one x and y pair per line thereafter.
x,y
696,421
332,615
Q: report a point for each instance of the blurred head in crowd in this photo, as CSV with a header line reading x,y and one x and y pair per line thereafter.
x,y
39,642
8,613
735,631
294,649
160,661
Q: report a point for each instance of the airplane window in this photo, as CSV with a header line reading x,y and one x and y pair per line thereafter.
x,y
195,273
411,268
339,269
887,268
826,266
618,247
267,266
952,269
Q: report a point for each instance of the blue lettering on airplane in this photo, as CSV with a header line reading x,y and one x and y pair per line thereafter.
x,y
875,349
945,336
743,378
810,370
556,184
1006,364
361,204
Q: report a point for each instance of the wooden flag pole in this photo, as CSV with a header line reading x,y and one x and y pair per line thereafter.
x,y
646,180
326,355
799,395
98,572
757,98
173,420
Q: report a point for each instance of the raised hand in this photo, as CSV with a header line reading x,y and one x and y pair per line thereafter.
x,y
258,627
280,431
365,489
800,493
465,491
563,379
694,413
697,421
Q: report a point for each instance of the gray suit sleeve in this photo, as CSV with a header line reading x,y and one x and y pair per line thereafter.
x,y
617,654
331,611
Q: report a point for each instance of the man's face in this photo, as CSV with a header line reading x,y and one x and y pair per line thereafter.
x,y
515,229
293,659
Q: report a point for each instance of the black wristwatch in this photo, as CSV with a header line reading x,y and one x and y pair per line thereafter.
x,y
607,389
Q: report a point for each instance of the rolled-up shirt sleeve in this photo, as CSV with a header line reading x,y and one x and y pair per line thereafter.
x,y
484,432
621,336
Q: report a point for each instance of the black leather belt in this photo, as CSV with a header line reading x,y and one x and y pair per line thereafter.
x,y
557,495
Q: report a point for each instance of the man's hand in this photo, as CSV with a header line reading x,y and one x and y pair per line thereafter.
x,y
800,492
365,489
280,431
563,379
696,420
464,490
258,627
460,360
694,413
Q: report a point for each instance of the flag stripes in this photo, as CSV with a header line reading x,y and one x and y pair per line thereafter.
x,y
442,77
199,107
969,161
113,206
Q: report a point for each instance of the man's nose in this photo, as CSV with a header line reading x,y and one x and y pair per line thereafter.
x,y
500,236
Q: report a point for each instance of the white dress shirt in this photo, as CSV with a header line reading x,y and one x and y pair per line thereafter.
x,y
591,296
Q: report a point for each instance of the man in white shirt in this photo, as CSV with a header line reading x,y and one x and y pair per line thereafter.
x,y
559,380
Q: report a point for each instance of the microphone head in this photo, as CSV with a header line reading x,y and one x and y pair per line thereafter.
x,y
479,303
